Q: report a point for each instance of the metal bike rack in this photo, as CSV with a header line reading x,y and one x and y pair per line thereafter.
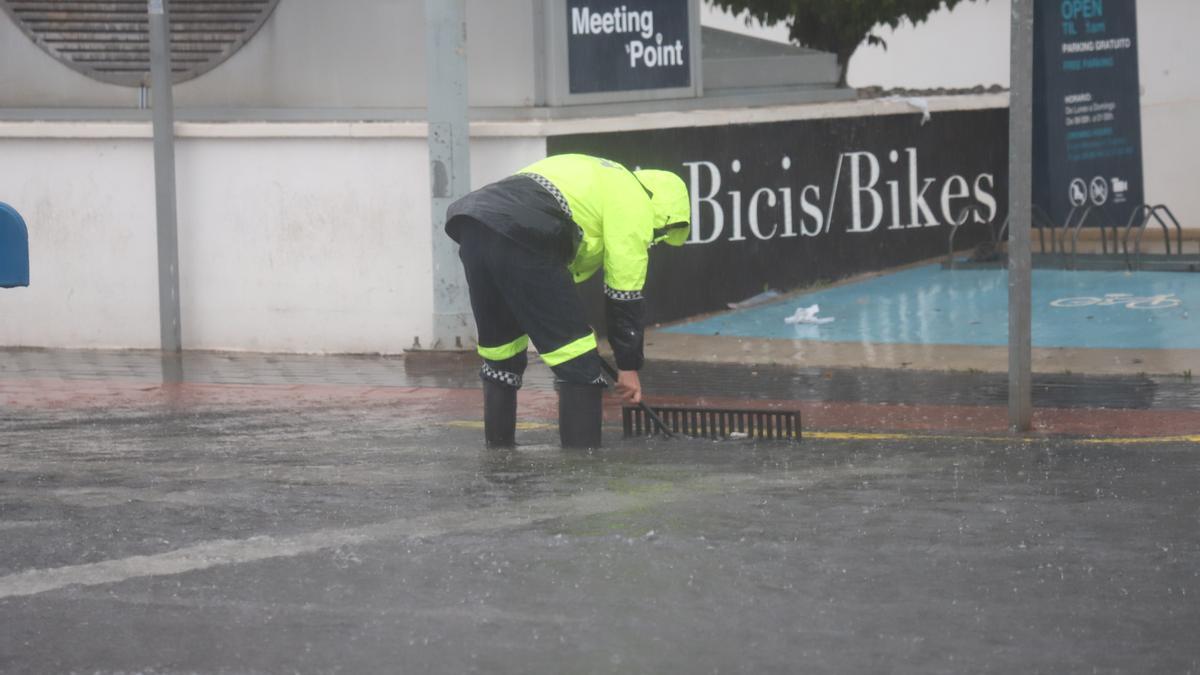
x,y
1168,262
1072,261
999,241
1119,257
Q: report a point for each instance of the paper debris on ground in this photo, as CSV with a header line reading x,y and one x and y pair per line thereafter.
x,y
765,296
807,315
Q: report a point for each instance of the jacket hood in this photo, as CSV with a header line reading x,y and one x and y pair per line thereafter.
x,y
672,207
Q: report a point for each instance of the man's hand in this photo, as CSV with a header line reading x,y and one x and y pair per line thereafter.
x,y
629,386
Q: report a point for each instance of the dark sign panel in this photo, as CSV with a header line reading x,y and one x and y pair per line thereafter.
x,y
620,45
1087,113
788,204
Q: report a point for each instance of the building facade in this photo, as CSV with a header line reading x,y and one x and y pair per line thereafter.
x,y
303,169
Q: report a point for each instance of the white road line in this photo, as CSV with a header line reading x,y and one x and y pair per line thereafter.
x,y
232,552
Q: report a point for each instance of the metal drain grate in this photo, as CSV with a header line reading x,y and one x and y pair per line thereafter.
x,y
715,423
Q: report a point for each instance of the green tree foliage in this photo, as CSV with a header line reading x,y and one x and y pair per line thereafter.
x,y
837,26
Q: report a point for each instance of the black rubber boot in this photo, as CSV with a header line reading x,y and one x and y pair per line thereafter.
x,y
499,414
579,415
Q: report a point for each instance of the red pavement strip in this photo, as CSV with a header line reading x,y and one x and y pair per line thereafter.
x,y
540,405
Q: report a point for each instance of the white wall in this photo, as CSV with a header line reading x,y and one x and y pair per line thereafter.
x,y
92,271
318,243
294,237
367,54
957,48
968,46
304,244
716,18
1170,76
363,54
975,33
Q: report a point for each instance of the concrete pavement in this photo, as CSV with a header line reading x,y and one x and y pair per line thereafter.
x,y
337,514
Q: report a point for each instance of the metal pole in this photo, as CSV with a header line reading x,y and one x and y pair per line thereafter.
x,y
1020,188
449,164
163,105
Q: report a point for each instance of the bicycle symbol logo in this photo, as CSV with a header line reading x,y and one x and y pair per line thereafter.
x,y
1130,301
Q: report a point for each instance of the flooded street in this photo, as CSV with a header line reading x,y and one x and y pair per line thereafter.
x,y
314,534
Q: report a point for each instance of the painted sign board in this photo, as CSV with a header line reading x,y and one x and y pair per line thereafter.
x,y
1087,110
784,205
622,45
615,51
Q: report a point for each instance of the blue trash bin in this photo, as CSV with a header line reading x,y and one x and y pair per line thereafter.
x,y
14,248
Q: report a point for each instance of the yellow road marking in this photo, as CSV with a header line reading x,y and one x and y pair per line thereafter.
x,y
1145,439
478,424
868,436
865,436
901,436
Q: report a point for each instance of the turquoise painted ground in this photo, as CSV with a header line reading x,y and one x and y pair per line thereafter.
x,y
929,305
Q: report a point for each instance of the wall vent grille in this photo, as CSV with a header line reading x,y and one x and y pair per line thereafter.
x,y
108,40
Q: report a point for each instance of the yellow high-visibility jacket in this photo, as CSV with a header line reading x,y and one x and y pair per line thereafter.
x,y
614,215
589,213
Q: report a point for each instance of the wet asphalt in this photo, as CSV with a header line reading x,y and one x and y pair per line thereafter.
x,y
217,538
